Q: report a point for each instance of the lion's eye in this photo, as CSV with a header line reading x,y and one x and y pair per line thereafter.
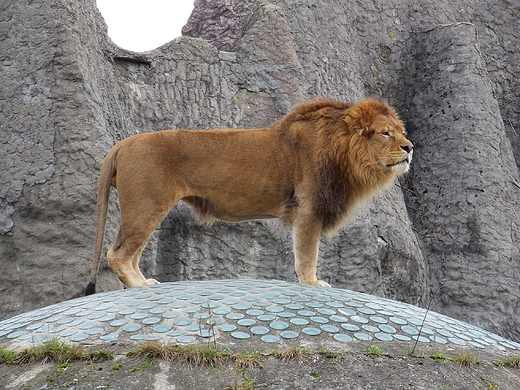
x,y
386,133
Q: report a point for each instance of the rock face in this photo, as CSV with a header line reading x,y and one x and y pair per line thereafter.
x,y
447,232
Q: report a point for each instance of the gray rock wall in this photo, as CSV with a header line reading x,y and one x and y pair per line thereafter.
x,y
448,231
469,217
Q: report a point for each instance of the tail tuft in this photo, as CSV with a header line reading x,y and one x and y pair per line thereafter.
x,y
90,289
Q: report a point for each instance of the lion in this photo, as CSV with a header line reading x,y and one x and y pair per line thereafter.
x,y
310,169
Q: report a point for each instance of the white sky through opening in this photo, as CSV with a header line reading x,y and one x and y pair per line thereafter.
x,y
144,25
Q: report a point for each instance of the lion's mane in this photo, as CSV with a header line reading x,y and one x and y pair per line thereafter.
x,y
344,174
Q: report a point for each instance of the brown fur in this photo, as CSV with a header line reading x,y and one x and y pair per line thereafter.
x,y
310,169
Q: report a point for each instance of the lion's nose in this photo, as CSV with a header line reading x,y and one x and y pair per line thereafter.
x,y
407,148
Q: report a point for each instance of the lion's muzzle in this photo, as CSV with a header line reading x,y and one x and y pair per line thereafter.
x,y
403,166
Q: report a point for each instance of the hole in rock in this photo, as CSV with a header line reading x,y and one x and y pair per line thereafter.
x,y
144,25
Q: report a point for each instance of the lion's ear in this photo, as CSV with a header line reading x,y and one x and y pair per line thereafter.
x,y
352,120
358,119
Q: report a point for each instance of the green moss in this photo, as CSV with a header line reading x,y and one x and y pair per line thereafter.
x,y
438,357
330,354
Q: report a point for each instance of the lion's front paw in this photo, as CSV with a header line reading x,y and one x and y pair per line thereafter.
x,y
321,283
151,282
317,282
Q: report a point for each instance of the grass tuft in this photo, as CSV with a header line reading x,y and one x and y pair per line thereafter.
x,y
490,386
509,362
50,351
245,384
199,355
7,357
249,360
372,350
290,354
466,360
193,355
53,351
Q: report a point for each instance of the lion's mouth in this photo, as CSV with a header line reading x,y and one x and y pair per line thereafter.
x,y
402,166
405,160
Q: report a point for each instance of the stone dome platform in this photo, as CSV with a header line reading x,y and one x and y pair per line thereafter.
x,y
256,312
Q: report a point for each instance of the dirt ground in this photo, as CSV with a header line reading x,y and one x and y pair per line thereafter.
x,y
322,369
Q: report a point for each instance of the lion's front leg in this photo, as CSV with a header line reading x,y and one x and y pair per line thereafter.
x,y
306,241
147,282
135,266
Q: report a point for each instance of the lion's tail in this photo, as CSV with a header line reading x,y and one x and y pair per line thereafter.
x,y
103,195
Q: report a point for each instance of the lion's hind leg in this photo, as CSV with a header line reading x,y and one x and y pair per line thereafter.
x,y
136,228
121,259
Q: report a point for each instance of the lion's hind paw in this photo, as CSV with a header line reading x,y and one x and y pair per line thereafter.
x,y
151,282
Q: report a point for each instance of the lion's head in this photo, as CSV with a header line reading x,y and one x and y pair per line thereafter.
x,y
378,146
358,150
